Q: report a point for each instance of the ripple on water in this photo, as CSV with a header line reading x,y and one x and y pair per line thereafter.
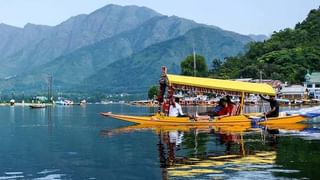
x,y
47,171
283,170
12,175
72,153
51,177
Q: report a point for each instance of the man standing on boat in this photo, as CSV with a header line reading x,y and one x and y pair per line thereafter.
x,y
274,105
163,83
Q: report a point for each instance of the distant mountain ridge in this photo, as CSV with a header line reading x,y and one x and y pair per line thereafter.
x,y
35,45
258,37
142,69
85,48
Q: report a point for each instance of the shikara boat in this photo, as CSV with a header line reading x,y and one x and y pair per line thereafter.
x,y
208,85
186,121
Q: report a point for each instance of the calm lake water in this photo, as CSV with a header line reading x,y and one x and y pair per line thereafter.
x,y
76,142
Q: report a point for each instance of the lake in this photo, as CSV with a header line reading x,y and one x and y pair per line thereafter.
x,y
76,142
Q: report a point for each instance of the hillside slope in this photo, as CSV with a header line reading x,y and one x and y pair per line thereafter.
x,y
286,56
25,49
142,69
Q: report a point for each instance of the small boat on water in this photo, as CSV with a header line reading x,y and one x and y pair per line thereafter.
x,y
208,85
37,106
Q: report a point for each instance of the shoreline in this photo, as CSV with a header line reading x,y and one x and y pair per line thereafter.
x,y
24,104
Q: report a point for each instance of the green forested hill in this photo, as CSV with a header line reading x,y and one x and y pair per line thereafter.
x,y
286,56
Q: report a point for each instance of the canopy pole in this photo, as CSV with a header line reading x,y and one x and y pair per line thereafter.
x,y
242,145
242,103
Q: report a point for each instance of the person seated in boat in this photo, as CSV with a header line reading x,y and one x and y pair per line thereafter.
x,y
175,109
220,110
224,110
231,106
274,105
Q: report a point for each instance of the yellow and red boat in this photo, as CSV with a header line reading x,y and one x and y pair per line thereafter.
x,y
208,85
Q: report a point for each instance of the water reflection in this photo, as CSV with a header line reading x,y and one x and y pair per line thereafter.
x,y
229,152
67,143
49,119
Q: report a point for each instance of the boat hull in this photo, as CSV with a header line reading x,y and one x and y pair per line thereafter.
x,y
283,120
186,121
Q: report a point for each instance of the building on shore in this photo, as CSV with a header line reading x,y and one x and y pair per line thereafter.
x,y
293,92
312,83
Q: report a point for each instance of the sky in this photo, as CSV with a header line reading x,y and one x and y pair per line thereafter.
x,y
242,16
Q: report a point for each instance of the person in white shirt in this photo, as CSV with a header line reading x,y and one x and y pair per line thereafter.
x,y
175,109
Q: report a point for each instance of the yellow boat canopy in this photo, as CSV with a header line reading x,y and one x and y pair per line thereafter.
x,y
223,85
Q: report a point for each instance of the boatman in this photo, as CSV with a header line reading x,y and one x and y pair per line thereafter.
x,y
274,105
163,82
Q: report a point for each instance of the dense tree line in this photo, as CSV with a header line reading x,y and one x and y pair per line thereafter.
x,y
286,56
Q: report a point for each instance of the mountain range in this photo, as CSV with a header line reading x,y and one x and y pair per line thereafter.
x,y
113,49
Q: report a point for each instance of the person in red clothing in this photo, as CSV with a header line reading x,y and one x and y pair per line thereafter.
x,y
231,105
225,108
221,110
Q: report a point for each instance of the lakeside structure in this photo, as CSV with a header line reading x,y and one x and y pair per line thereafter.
x,y
293,95
293,92
312,83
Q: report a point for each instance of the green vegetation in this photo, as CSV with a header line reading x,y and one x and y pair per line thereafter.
x,y
286,56
153,91
187,66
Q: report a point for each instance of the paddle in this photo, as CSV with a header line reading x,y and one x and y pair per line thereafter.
x,y
265,117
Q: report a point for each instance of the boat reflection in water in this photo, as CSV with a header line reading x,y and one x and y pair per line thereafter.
x,y
229,152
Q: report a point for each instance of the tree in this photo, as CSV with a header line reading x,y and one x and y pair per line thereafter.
x,y
187,66
153,91
216,64
250,72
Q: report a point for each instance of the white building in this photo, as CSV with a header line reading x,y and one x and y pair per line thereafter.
x,y
312,83
293,92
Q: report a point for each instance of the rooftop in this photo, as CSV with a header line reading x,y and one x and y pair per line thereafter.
x,y
293,89
314,77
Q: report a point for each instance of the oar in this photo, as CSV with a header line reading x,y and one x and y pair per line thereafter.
x,y
265,119
264,110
